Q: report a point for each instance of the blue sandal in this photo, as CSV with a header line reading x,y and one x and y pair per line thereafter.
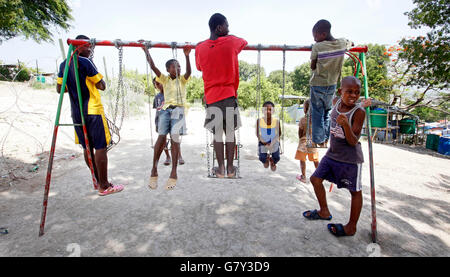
x,y
340,232
314,215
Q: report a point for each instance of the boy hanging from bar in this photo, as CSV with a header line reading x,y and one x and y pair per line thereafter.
x,y
268,131
217,58
172,114
97,128
158,103
327,57
343,161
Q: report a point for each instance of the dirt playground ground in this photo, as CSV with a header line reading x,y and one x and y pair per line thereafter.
x,y
257,215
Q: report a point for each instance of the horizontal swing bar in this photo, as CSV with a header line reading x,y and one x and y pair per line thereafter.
x,y
155,44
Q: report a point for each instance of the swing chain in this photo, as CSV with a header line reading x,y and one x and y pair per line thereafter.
x,y
92,48
258,99
207,153
175,57
282,100
238,169
308,128
148,44
120,88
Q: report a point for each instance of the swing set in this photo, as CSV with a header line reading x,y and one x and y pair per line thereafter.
x,y
74,45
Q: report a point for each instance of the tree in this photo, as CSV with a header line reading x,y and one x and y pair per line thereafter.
x,y
300,78
276,77
194,89
248,71
33,18
423,63
379,83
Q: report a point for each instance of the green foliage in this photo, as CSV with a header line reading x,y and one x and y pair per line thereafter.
x,y
276,77
5,74
300,78
428,114
194,89
19,74
248,71
428,58
380,84
33,18
23,75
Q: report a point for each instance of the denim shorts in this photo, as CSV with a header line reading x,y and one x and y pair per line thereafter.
x,y
172,120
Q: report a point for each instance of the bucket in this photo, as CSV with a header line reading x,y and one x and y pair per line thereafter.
x,y
444,146
407,126
432,142
378,118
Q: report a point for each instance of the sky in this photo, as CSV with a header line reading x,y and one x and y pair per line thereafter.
x,y
265,21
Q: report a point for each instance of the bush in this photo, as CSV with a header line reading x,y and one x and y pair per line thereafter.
x,y
24,75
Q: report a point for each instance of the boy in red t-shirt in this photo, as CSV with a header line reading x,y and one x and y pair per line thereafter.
x,y
217,58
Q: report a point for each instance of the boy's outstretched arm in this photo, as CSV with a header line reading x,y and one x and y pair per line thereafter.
x,y
352,134
150,61
188,63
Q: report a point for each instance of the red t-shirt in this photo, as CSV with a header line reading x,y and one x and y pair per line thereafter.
x,y
218,60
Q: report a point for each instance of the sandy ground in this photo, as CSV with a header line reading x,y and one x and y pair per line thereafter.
x,y
257,215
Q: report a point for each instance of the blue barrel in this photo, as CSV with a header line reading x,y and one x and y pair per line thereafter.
x,y
444,146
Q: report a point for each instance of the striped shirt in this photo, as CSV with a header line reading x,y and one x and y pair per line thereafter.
x,y
330,57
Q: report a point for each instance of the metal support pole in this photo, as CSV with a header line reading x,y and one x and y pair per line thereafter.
x,y
86,140
52,149
362,57
55,132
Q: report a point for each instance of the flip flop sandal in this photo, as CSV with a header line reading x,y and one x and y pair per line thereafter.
x,y
111,190
215,171
232,175
339,230
171,183
314,215
153,184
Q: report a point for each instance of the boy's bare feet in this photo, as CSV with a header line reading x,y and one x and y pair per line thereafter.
x,y
231,173
266,164
154,172
273,166
301,178
168,161
220,173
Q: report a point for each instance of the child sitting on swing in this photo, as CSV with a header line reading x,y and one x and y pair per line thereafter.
x,y
303,150
268,131
172,115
